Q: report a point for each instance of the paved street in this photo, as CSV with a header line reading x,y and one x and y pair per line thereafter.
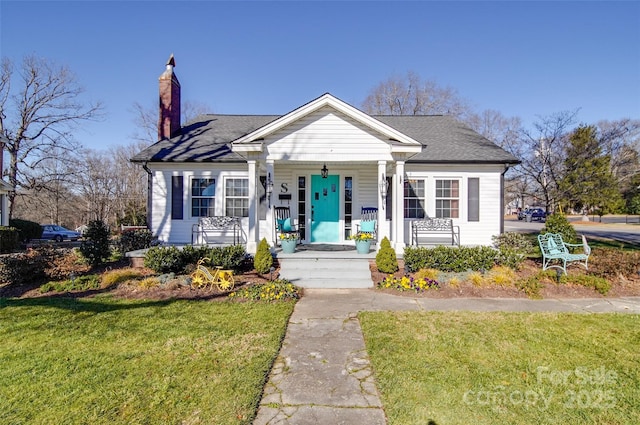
x,y
612,227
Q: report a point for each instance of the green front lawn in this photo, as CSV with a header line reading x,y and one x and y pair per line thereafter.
x,y
102,361
505,368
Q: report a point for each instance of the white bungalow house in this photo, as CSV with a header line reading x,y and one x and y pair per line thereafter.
x,y
325,160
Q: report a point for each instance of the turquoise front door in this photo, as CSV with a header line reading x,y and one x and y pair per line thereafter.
x,y
325,208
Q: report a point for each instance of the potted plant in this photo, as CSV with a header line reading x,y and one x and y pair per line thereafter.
x,y
288,241
363,242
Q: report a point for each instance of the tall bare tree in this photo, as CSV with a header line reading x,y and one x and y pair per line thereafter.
x,y
96,186
620,140
130,185
39,117
542,152
410,95
146,119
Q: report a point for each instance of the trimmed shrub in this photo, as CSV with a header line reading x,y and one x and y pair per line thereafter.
x,y
558,223
9,239
164,259
263,260
513,241
28,229
132,240
192,254
95,246
228,257
450,259
510,258
386,259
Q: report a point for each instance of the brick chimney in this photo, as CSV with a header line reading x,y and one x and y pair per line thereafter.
x,y
169,122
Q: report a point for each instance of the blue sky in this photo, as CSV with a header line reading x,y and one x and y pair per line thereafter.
x,y
524,59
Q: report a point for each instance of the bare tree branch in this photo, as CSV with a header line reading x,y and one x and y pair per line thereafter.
x,y
45,111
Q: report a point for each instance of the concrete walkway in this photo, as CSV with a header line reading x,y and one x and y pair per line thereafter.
x,y
323,375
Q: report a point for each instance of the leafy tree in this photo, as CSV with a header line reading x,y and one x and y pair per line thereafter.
x,y
632,196
39,118
588,182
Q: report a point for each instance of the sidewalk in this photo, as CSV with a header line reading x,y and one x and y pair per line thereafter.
x,y
323,375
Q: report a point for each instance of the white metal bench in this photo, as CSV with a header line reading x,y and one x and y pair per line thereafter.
x,y
216,230
554,248
429,227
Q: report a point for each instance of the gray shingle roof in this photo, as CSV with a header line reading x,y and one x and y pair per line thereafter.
x,y
205,139
209,137
447,140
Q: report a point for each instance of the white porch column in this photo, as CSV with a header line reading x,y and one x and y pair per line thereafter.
x,y
382,213
254,222
270,233
398,208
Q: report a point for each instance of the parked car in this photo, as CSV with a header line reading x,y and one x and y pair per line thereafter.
x,y
59,233
531,214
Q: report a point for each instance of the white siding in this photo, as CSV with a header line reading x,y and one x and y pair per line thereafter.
x,y
179,231
329,135
471,233
365,179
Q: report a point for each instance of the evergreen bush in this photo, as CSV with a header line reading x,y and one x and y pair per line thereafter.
x,y
450,259
263,261
95,246
132,240
164,259
386,259
229,257
558,223
28,229
9,239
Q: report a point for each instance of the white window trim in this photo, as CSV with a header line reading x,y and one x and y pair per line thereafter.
x,y
192,197
436,198
225,196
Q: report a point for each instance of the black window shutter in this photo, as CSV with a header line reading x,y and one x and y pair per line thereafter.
x,y
176,198
474,199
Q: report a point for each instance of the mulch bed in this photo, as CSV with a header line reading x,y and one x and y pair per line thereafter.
x,y
621,287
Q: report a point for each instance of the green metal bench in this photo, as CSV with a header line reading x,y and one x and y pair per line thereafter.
x,y
554,248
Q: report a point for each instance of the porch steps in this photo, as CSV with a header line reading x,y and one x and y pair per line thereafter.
x,y
310,268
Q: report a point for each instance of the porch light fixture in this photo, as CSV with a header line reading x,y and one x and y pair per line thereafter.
x,y
324,172
269,187
384,186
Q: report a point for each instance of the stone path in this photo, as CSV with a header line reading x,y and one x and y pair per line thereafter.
x,y
323,374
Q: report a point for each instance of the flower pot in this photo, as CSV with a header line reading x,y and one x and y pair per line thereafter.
x,y
289,245
363,247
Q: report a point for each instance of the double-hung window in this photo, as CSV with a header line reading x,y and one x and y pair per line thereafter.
x,y
203,196
236,197
447,198
414,199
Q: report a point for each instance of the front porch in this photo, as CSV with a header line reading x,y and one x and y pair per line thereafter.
x,y
326,266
